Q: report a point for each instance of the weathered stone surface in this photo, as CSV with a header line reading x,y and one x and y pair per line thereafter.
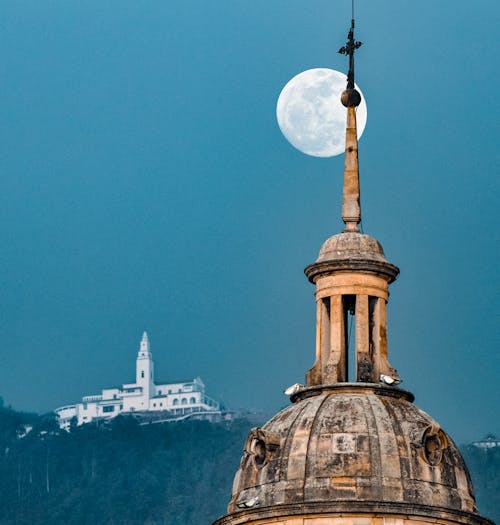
x,y
351,245
358,443
338,513
351,251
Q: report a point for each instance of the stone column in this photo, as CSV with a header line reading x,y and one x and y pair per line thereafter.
x,y
336,369
325,337
380,358
364,365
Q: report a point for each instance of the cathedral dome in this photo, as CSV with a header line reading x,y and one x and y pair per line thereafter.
x,y
354,446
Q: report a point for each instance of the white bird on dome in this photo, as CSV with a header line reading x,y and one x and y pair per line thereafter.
x,y
248,503
388,380
293,389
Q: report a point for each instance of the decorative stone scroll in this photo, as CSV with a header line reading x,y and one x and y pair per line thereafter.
x,y
431,442
261,445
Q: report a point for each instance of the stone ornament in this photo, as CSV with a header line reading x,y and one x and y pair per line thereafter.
x,y
431,443
261,446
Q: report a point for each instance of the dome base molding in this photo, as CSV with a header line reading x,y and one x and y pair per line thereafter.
x,y
352,513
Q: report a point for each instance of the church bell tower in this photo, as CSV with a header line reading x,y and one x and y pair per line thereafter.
x,y
352,448
144,369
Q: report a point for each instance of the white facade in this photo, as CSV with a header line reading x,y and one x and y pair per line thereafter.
x,y
176,400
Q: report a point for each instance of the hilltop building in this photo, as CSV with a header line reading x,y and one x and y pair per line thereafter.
x,y
172,400
351,448
488,442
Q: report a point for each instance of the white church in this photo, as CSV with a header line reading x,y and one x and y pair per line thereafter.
x,y
175,401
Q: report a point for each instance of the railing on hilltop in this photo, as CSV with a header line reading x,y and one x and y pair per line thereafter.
x,y
89,399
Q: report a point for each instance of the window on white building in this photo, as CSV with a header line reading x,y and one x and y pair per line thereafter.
x,y
142,373
110,408
176,402
184,401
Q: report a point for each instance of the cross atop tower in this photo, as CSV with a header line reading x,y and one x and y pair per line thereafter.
x,y
349,49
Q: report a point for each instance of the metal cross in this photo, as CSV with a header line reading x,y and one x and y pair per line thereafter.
x,y
349,50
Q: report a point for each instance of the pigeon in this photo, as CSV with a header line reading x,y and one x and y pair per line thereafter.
x,y
388,380
293,389
248,503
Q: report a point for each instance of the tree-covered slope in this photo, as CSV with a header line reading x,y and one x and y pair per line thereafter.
x,y
484,467
168,474
126,474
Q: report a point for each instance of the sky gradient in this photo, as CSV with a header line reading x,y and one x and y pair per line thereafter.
x,y
146,185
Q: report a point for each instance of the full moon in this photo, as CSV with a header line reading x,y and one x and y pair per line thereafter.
x,y
311,115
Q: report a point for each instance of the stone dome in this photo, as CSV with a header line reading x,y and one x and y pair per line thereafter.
x,y
356,446
350,245
349,251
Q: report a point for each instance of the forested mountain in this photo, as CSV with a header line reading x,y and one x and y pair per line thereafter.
x,y
126,474
484,466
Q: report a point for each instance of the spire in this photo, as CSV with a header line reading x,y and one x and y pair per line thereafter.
x,y
144,348
351,207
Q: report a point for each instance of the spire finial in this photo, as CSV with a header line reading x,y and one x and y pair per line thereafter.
x,y
351,98
349,49
144,347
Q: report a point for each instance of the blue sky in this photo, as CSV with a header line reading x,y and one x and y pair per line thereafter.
x,y
146,185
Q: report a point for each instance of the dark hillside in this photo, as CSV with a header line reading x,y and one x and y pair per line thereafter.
x,y
126,474
484,466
